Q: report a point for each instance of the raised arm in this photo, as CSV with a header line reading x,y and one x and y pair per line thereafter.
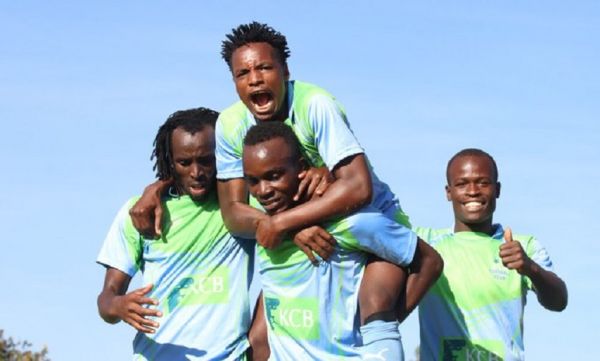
x,y
550,289
114,304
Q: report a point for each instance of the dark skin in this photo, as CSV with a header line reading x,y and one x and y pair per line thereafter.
x,y
194,165
260,79
473,189
270,170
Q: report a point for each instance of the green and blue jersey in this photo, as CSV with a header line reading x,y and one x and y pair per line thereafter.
x,y
311,311
475,309
201,275
320,124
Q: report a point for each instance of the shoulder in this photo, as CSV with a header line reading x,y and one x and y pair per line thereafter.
x,y
307,95
433,236
232,117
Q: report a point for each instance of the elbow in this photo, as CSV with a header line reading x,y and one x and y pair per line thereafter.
x,y
104,310
562,301
437,264
363,194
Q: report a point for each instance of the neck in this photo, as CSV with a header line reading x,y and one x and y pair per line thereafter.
x,y
486,227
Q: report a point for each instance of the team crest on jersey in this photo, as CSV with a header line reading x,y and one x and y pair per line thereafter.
x,y
498,271
293,317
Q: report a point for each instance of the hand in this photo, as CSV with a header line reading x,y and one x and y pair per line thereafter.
x,y
268,234
315,239
313,183
129,308
513,256
146,213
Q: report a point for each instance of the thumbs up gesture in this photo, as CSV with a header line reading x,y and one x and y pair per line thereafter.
x,y
512,254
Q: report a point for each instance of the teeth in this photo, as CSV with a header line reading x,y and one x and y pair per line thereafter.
x,y
473,205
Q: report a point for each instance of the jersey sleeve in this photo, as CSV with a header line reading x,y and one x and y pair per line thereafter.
x,y
333,137
538,254
372,232
122,247
229,158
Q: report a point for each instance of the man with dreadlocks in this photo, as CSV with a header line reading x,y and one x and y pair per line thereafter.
x,y
196,274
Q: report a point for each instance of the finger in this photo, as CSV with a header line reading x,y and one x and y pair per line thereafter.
x,y
147,301
158,212
307,251
301,187
144,322
139,327
144,290
150,312
508,234
314,183
318,249
322,187
326,236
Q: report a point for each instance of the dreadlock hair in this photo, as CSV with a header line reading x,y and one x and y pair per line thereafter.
x,y
265,131
192,121
254,32
473,152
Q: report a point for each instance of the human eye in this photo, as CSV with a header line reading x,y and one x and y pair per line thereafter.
x,y
241,73
251,181
184,162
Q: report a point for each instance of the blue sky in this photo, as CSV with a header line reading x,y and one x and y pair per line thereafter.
x,y
84,86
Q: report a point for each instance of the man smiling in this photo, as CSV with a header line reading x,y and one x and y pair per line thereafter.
x,y
475,309
311,311
196,274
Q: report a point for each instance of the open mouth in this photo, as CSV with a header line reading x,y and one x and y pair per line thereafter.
x,y
261,98
473,206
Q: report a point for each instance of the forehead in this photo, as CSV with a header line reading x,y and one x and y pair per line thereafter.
x,y
253,52
183,141
471,165
270,154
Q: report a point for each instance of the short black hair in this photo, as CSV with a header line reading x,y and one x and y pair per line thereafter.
x,y
192,121
254,32
265,131
472,152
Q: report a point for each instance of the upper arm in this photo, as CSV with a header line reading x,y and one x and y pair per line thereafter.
x,y
228,152
231,191
332,134
122,247
116,281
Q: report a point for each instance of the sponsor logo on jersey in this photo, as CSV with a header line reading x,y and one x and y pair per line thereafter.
x,y
212,288
294,317
461,349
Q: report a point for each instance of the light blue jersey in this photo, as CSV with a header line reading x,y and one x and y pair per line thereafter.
x,y
320,124
311,311
200,274
475,309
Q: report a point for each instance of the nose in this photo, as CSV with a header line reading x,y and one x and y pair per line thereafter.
x,y
255,77
472,189
264,190
196,171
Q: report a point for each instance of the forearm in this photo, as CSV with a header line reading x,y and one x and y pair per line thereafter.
x,y
351,190
241,219
425,269
550,289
